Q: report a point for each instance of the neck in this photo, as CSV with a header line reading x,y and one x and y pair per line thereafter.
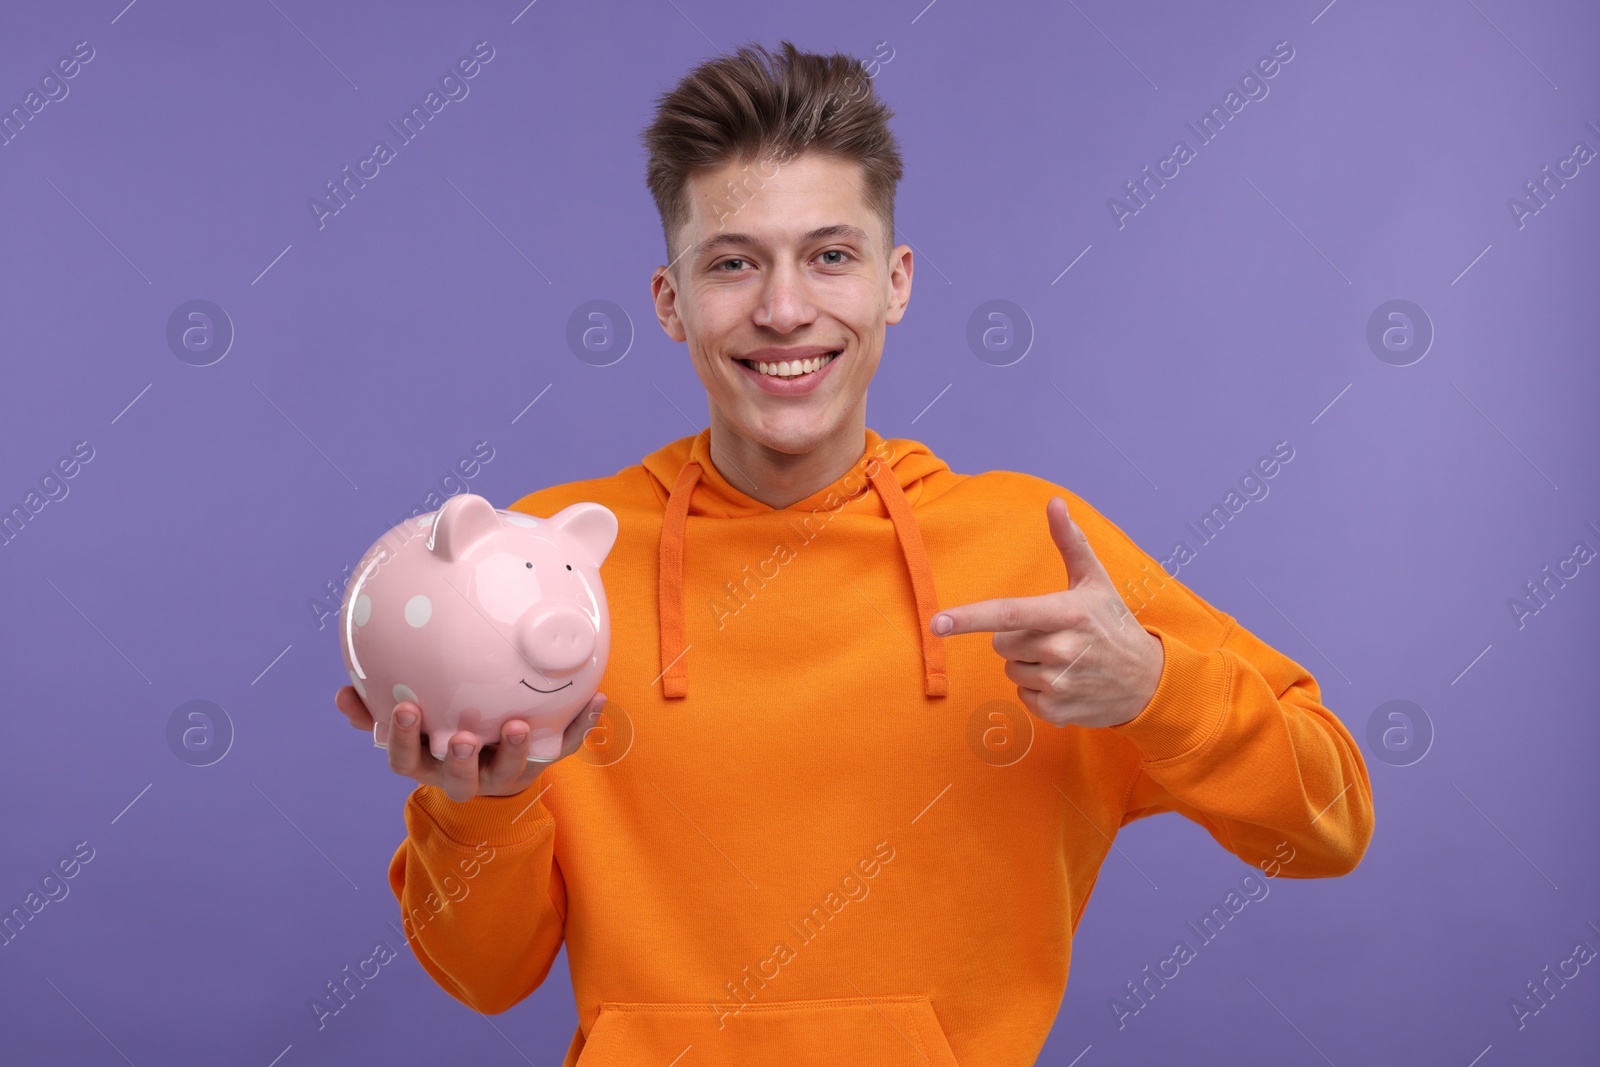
x,y
779,479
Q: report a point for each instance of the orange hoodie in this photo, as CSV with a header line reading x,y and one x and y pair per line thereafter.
x,y
806,825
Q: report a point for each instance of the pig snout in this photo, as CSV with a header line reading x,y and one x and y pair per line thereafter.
x,y
558,640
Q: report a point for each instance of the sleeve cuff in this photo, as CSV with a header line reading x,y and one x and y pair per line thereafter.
x,y
1188,707
501,822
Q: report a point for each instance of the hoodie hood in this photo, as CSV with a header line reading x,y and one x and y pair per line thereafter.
x,y
894,472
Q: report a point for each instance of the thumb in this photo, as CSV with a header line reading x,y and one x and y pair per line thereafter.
x,y
1073,543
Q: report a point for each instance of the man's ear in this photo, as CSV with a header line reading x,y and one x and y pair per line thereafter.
x,y
900,269
664,294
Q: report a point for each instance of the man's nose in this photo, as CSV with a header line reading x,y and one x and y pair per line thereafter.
x,y
785,300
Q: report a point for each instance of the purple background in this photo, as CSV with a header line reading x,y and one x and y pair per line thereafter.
x,y
1230,313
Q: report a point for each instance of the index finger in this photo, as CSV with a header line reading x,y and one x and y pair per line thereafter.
x,y
998,615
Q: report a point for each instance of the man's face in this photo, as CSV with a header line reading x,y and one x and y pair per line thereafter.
x,y
791,258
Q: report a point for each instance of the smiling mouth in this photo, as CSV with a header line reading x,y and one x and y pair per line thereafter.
x,y
536,689
791,369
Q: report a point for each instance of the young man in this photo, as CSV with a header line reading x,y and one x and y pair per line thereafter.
x,y
814,822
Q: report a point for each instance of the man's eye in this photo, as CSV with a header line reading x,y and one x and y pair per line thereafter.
x,y
725,262
837,252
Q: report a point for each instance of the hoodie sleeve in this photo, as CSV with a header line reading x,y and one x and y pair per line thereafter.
x,y
1236,737
481,895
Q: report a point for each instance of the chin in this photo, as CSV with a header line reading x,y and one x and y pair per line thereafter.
x,y
791,432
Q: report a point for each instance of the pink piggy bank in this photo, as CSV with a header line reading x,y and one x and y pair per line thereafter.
x,y
480,615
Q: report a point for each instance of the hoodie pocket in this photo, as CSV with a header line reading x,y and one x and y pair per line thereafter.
x,y
891,1031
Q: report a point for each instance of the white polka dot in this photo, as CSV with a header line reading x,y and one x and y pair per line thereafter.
x,y
517,518
418,610
355,680
363,609
403,692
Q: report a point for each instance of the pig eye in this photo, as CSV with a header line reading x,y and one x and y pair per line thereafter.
x,y
569,566
530,566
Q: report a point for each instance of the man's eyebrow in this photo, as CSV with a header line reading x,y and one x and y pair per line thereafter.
x,y
821,233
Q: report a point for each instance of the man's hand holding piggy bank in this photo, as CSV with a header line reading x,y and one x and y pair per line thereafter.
x,y
476,626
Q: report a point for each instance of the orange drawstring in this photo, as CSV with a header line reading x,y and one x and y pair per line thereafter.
x,y
934,681
674,664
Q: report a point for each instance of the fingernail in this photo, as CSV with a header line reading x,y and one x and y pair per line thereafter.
x,y
942,624
462,751
406,718
516,737
380,734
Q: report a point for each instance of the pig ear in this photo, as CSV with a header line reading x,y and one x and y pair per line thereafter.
x,y
462,522
592,526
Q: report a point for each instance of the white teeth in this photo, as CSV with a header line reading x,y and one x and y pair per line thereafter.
x,y
791,368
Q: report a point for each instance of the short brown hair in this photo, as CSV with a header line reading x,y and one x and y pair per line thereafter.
x,y
756,106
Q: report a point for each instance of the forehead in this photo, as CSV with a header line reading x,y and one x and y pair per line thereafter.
x,y
777,201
